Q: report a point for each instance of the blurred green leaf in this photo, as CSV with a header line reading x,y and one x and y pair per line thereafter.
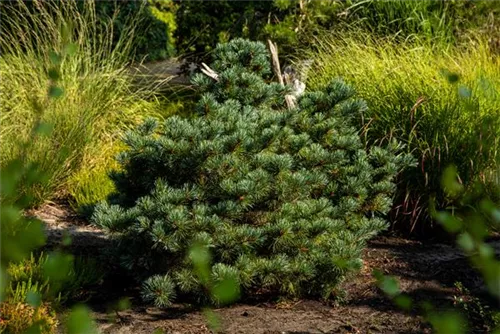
x,y
66,31
9,216
390,286
426,306
451,223
477,227
200,256
450,76
55,58
124,304
19,237
212,320
34,329
34,176
58,266
491,274
404,302
466,242
487,87
226,291
448,323
387,284
79,321
34,299
55,92
496,215
4,281
486,251
53,74
70,49
36,106
450,183
159,331
44,129
464,92
66,239
11,173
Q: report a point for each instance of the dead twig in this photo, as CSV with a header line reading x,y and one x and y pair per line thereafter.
x,y
209,72
273,48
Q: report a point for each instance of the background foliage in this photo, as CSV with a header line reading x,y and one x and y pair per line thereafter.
x,y
153,38
152,43
293,23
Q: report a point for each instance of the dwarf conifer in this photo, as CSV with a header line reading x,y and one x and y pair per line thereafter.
x,y
283,199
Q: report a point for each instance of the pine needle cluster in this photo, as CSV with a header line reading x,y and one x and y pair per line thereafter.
x,y
283,199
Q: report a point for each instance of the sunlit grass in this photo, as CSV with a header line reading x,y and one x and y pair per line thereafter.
x,y
410,97
99,101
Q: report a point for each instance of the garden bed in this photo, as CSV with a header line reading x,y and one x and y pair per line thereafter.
x,y
425,271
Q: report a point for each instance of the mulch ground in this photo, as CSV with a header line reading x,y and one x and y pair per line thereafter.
x,y
426,272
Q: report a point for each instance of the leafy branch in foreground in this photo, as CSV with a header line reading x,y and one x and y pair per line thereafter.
x,y
471,228
22,307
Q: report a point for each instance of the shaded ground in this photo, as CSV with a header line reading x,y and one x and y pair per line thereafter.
x,y
425,272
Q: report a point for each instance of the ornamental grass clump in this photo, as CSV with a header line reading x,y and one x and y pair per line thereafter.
x,y
444,104
283,199
97,99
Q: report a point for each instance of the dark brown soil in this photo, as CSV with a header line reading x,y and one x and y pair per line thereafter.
x,y
427,272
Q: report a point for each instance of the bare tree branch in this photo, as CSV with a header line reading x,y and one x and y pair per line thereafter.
x,y
276,62
273,48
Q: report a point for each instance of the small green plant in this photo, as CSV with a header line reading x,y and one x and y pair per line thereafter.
x,y
22,318
477,312
28,278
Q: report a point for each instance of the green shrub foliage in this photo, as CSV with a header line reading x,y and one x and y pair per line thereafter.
x,y
283,199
